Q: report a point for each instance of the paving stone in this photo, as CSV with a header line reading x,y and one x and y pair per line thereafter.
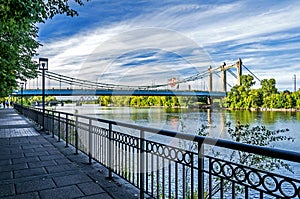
x,y
13,167
47,149
39,153
61,193
13,151
114,191
98,196
5,162
62,161
6,190
47,144
71,179
29,172
34,165
31,195
53,151
34,185
60,168
31,146
6,175
5,150
25,159
41,163
10,156
90,188
52,157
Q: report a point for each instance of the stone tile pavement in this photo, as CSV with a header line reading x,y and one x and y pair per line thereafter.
x,y
34,165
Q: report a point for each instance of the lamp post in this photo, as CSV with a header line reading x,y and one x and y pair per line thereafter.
x,y
43,65
22,86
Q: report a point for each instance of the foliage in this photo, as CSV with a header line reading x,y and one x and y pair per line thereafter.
x,y
146,101
18,37
257,135
28,101
243,97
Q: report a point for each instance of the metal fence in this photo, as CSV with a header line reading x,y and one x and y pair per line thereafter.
x,y
168,164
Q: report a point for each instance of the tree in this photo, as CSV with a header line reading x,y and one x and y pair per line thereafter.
x,y
238,96
267,96
18,37
254,99
268,86
247,81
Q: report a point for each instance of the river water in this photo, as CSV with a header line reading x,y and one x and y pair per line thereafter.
x,y
190,121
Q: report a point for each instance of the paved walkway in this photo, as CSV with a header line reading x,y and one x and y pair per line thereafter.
x,y
34,165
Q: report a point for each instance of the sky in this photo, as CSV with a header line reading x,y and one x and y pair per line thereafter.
x,y
146,42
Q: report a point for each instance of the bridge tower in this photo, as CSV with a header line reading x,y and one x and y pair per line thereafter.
x,y
209,100
239,71
209,79
224,68
223,76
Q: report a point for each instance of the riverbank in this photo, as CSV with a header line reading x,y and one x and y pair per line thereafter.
x,y
266,109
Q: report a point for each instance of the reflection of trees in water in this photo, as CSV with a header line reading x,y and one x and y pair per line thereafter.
x,y
266,117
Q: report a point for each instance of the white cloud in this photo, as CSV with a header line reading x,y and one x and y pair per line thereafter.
x,y
198,33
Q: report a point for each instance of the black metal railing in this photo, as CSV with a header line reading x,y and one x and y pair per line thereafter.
x,y
168,164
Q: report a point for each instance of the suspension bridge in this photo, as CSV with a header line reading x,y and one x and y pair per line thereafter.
x,y
79,87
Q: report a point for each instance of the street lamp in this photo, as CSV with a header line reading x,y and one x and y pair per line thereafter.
x,y
22,86
43,65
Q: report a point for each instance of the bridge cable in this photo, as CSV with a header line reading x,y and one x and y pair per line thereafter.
x,y
79,82
251,72
232,73
91,84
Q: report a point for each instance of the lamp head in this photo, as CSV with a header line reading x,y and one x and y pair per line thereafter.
x,y
43,63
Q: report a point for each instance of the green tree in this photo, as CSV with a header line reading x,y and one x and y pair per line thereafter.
x,y
18,37
267,96
242,96
247,81
268,87
254,99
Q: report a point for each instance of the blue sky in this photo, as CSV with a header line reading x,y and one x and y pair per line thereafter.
x,y
148,42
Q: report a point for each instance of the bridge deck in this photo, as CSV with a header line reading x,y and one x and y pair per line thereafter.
x,y
99,92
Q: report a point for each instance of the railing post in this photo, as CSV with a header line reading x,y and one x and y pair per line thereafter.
x,y
110,151
36,116
200,170
48,122
76,135
142,162
53,124
58,133
67,130
90,141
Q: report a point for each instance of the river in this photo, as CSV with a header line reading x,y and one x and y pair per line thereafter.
x,y
190,121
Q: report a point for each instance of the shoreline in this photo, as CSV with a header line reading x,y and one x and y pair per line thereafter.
x,y
266,109
205,107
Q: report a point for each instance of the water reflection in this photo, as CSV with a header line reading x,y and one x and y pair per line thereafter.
x,y
265,117
191,120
